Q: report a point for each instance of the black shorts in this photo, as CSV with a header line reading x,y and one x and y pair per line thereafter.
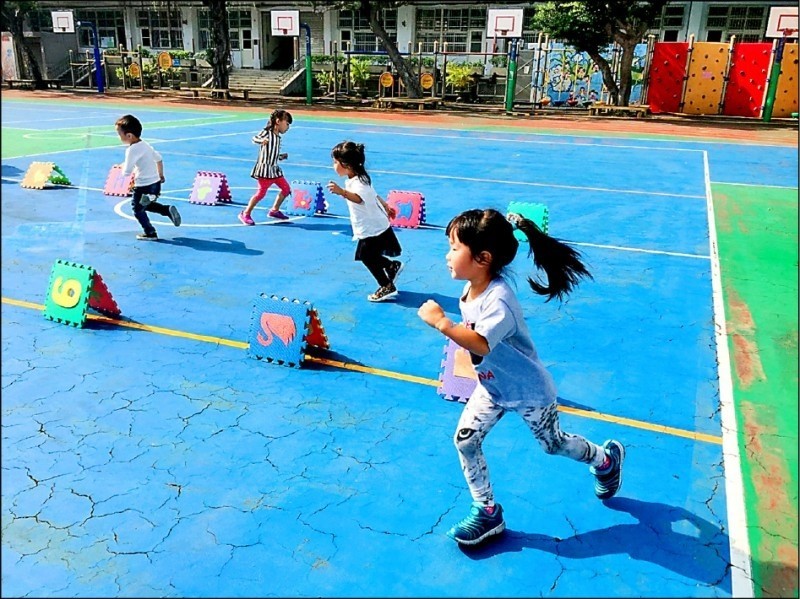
x,y
385,244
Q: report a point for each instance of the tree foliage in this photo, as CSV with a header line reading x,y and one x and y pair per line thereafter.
x,y
591,25
371,10
12,16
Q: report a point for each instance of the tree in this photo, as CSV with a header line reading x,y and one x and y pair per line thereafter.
x,y
591,25
371,9
219,54
13,19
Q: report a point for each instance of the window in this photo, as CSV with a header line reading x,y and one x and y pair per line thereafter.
x,y
110,27
160,29
354,26
237,19
462,28
669,25
747,23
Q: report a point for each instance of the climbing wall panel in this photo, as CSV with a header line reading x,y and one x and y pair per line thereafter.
x,y
747,79
666,76
786,94
706,77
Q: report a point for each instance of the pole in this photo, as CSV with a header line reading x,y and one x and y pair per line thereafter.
x,y
511,79
774,75
309,81
98,67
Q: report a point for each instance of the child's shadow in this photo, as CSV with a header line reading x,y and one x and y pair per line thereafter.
x,y
699,555
228,246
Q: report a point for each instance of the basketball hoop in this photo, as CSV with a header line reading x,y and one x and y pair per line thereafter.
x,y
285,31
503,32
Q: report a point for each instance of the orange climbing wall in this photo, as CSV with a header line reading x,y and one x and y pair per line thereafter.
x,y
786,94
706,78
747,79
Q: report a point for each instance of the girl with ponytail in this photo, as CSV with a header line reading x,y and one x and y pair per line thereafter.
x,y
510,375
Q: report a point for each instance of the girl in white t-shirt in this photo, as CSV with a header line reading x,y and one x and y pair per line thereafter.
x,y
511,376
369,216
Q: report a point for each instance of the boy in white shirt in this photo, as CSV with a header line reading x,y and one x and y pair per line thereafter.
x,y
148,168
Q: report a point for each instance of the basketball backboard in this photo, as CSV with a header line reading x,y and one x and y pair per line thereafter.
x,y
782,21
63,21
285,22
504,22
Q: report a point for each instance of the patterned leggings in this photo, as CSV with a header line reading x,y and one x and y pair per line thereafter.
x,y
479,417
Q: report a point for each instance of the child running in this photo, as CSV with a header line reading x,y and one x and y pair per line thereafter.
x,y
510,375
369,216
266,170
147,167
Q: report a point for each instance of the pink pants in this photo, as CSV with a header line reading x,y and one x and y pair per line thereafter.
x,y
265,184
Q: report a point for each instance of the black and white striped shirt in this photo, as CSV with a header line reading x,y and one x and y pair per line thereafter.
x,y
266,166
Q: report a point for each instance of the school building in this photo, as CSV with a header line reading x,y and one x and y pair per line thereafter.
x,y
186,25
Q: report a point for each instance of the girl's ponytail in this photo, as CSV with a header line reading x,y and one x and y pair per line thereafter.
x,y
560,262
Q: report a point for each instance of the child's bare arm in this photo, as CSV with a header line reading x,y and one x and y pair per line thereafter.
x,y
334,187
432,314
160,167
389,210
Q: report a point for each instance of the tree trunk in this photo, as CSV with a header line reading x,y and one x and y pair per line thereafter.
x,y
608,75
626,78
220,38
413,87
29,67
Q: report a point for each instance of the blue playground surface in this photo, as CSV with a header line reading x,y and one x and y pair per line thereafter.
x,y
153,457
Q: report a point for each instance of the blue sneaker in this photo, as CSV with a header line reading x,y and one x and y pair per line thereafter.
x,y
608,482
478,525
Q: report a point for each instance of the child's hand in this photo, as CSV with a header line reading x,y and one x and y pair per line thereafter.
x,y
391,211
163,178
283,156
335,188
431,313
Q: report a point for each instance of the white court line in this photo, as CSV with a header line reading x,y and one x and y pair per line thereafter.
x,y
754,185
473,179
741,574
126,201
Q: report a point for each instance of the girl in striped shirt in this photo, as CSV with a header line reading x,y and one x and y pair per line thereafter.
x,y
266,170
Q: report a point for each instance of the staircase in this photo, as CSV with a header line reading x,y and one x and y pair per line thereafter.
x,y
260,83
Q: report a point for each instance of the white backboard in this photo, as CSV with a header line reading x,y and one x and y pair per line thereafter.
x,y
504,22
63,21
782,19
285,22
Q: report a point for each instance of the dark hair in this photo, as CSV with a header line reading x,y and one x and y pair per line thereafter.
x,y
351,155
279,115
489,231
129,124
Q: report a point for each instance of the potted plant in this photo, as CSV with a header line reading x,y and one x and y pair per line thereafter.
x,y
359,74
461,77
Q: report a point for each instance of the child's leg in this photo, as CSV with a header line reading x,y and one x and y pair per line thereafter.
x,y
263,185
286,190
377,264
139,212
477,419
543,422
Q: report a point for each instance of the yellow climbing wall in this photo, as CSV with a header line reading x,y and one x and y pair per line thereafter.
x,y
786,94
706,77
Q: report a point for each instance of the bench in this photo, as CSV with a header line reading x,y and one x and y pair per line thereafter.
x,y
598,108
196,91
29,83
388,102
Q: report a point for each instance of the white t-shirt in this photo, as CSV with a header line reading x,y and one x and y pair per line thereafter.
x,y
511,373
368,218
141,159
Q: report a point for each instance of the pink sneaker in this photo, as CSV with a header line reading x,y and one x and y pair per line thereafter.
x,y
246,219
277,214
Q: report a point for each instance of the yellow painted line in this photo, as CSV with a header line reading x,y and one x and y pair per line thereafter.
x,y
630,422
